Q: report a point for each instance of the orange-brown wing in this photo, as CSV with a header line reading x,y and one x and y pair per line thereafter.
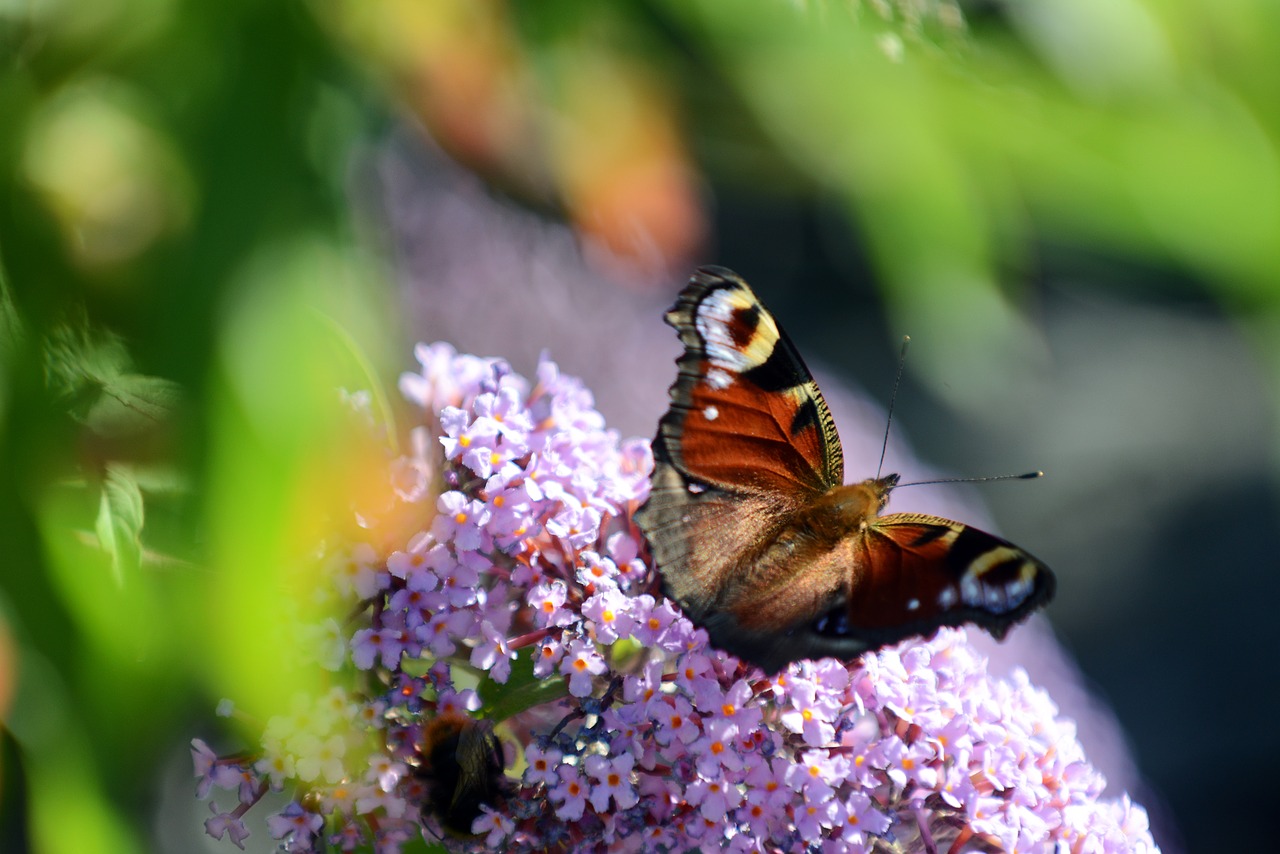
x,y
745,414
915,573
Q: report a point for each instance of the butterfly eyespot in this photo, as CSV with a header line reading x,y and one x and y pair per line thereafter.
x,y
971,591
913,604
695,489
710,413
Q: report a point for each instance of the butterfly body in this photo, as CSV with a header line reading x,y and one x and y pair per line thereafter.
x,y
755,533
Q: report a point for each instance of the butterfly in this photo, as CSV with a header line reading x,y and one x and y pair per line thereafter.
x,y
461,765
753,530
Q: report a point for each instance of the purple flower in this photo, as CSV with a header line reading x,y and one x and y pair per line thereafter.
x,y
512,499
814,773
411,564
814,817
713,798
581,663
359,569
609,611
548,655
547,600
205,760
493,654
468,440
295,822
493,826
858,819
716,750
460,520
636,732
446,378
541,765
570,794
508,412
612,776
675,721
734,706
370,645
226,823
910,763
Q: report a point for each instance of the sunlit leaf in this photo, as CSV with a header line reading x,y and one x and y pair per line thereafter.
x,y
120,518
129,403
521,691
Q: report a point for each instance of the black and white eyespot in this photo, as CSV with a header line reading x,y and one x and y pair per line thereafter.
x,y
737,333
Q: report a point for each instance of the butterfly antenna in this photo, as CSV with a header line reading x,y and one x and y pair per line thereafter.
x,y
1031,475
897,380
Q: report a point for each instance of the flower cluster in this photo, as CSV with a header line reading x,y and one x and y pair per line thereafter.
x,y
523,601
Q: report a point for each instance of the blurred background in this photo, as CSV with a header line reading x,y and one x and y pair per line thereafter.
x,y
215,215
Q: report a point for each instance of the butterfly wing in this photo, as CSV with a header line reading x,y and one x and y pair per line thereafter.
x,y
745,413
746,442
704,542
916,573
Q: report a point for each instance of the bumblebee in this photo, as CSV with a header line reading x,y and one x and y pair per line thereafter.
x,y
461,766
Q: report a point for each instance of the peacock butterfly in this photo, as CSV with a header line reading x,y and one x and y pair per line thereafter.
x,y
756,535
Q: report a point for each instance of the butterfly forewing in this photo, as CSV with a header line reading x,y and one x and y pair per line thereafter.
x,y
745,413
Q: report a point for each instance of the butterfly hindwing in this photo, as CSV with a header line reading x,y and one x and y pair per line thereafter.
x,y
920,572
901,575
702,540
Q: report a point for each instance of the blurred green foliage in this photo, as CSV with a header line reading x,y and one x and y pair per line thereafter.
x,y
174,242
182,288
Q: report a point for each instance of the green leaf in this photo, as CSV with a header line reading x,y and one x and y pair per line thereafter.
x,y
78,360
523,690
90,370
161,480
119,522
130,403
